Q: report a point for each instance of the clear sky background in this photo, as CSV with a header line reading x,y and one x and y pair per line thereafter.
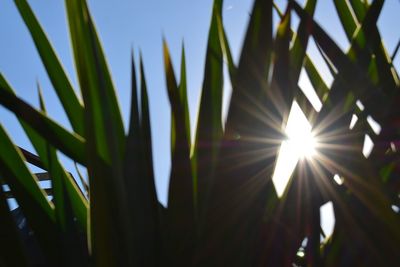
x,y
126,24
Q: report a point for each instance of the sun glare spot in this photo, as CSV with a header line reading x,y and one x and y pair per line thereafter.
x,y
300,144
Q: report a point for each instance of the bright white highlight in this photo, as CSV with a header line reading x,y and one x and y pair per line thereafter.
x,y
298,129
395,208
353,121
368,145
374,125
360,105
308,90
327,216
300,144
338,179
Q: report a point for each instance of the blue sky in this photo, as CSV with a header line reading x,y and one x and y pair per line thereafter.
x,y
127,24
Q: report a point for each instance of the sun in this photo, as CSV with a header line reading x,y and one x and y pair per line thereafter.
x,y
301,139
301,144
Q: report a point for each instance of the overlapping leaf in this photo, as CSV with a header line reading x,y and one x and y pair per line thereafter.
x,y
111,235
180,212
139,178
70,144
209,125
58,77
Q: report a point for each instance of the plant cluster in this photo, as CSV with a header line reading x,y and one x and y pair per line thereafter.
x,y
223,209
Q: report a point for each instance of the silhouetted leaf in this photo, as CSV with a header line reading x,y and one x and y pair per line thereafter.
x,y
209,126
180,212
111,234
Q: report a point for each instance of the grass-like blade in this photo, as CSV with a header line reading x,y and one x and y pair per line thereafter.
x,y
62,182
351,72
299,47
180,212
152,214
368,38
55,174
209,125
359,8
111,234
254,64
140,182
103,118
282,83
57,75
70,144
70,206
346,17
316,80
241,162
226,49
147,145
182,88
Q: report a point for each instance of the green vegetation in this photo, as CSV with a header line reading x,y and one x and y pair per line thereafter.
x,y
222,209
